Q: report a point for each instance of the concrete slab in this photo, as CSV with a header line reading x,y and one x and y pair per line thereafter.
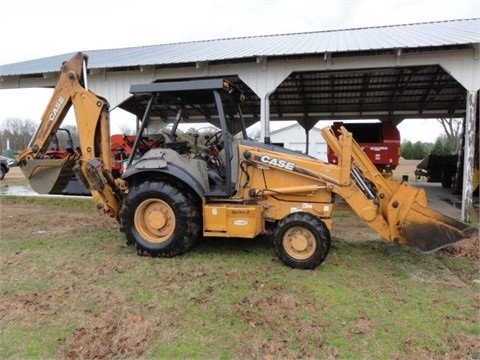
x,y
442,200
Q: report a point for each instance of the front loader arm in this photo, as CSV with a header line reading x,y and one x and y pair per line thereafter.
x,y
398,212
287,182
92,167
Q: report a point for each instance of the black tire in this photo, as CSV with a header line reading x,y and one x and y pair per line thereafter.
x,y
2,173
446,181
160,220
302,241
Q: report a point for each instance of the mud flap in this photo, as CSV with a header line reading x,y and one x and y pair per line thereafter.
x,y
429,230
48,176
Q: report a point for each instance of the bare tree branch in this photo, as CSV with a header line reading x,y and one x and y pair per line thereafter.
x,y
453,131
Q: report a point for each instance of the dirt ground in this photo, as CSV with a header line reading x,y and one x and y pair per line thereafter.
x,y
347,228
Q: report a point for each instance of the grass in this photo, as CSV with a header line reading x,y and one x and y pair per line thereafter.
x,y
82,293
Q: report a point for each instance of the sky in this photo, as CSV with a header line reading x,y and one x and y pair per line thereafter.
x,y
33,29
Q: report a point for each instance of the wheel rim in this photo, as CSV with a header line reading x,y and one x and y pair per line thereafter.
x,y
299,243
155,220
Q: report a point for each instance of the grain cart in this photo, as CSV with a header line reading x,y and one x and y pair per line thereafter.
x,y
223,186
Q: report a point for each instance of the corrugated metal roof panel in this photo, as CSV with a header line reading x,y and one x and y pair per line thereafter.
x,y
433,34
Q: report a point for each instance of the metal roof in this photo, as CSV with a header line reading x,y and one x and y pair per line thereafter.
x,y
387,93
395,93
452,33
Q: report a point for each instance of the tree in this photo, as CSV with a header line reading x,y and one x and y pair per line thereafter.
x,y
415,151
406,150
453,132
441,147
17,132
420,151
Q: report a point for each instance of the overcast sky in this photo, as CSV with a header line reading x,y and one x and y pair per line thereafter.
x,y
34,29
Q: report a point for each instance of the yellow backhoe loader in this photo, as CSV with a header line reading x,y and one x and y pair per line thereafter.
x,y
224,186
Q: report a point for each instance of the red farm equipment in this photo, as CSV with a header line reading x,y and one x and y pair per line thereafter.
x,y
380,142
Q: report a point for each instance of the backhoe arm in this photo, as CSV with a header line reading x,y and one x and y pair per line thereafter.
x,y
92,168
56,109
398,212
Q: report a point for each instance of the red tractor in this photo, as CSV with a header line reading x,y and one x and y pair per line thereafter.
x,y
121,147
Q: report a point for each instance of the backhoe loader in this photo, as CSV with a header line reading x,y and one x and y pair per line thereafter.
x,y
225,186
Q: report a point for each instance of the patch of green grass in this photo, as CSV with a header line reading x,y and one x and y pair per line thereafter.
x,y
474,329
85,293
70,203
41,342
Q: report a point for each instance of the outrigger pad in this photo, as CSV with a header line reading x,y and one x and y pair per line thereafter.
x,y
429,230
48,176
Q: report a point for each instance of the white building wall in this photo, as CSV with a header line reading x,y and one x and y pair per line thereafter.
x,y
293,138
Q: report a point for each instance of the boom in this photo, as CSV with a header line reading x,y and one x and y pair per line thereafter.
x,y
92,168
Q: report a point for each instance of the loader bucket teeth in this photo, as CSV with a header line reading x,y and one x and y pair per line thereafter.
x,y
48,176
429,230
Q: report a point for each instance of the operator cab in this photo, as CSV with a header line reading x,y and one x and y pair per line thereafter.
x,y
162,106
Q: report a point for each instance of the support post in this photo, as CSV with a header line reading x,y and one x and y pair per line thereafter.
x,y
307,126
468,155
307,141
265,118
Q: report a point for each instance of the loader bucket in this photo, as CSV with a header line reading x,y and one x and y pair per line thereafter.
x,y
48,176
429,230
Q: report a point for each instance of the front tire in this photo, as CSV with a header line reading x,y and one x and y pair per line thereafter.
x,y
302,241
159,219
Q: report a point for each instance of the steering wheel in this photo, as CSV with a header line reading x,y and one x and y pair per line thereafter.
x,y
214,140
214,144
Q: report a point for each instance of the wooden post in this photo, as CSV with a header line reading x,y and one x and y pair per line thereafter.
x,y
468,155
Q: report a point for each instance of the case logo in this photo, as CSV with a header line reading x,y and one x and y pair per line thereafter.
x,y
56,108
283,164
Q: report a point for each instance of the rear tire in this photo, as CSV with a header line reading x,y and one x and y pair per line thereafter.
x,y
159,219
302,241
447,181
2,173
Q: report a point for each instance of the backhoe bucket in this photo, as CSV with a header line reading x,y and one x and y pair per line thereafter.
x,y
48,176
429,230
